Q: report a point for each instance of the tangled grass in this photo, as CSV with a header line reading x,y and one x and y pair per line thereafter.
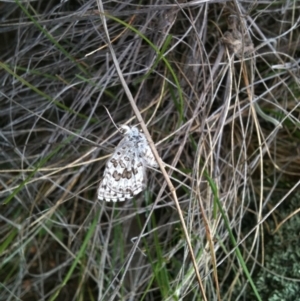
x,y
221,104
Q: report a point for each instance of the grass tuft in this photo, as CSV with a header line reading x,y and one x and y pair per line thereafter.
x,y
217,84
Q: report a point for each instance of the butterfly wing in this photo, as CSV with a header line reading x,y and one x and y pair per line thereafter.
x,y
149,157
124,176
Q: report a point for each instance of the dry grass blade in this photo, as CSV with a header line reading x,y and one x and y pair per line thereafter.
x,y
160,163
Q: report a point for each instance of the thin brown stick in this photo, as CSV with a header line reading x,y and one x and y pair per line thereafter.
x,y
153,148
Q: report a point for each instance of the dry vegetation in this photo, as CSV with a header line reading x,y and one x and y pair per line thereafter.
x,y
217,84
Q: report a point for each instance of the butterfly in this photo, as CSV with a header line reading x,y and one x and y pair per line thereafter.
x,y
125,172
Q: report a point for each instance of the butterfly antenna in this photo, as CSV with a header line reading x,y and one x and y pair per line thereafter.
x,y
111,118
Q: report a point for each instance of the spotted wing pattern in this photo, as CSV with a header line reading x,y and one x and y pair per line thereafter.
x,y
125,170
